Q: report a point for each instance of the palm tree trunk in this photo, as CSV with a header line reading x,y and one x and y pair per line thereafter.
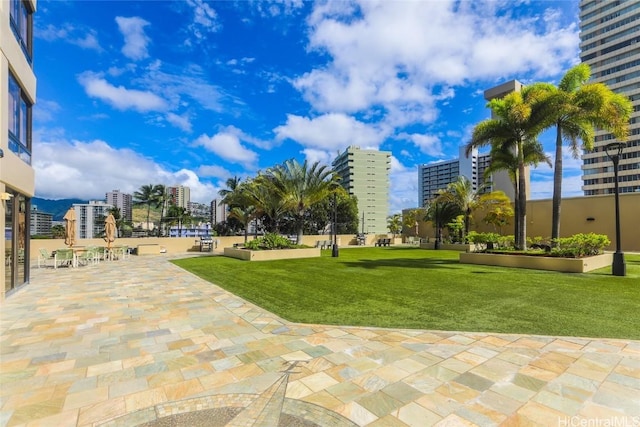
x,y
148,214
557,189
522,208
467,216
516,216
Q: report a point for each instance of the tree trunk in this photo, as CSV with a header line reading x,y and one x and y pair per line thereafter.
x,y
467,221
557,189
522,200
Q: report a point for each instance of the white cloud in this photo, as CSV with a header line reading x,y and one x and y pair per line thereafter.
x,y
135,40
120,97
205,19
181,122
214,171
403,191
45,110
383,55
84,38
330,132
322,156
88,169
228,147
428,144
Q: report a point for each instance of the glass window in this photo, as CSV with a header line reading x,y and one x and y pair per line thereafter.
x,y
22,25
19,121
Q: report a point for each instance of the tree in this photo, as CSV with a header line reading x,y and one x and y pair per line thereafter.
x,y
462,194
440,212
498,209
161,198
410,220
146,196
394,223
244,215
504,158
178,215
57,231
320,215
301,186
271,208
515,124
574,107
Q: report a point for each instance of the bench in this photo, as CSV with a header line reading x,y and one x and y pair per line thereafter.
x,y
324,244
383,242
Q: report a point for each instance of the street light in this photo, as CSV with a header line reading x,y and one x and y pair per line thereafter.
x,y
334,251
614,150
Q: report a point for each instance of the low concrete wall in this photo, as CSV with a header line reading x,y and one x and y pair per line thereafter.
x,y
176,245
248,255
148,249
567,265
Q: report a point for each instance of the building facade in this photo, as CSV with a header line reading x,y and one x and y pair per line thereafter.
x,y
437,176
122,201
610,44
41,223
90,218
365,174
218,211
180,196
17,177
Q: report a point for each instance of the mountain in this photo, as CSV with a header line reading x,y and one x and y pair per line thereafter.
x,y
55,207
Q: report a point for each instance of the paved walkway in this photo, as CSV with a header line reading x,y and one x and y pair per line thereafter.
x,y
141,342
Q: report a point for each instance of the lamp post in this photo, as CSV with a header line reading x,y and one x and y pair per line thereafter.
x,y
334,251
614,151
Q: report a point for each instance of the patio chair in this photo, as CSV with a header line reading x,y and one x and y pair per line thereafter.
x,y
63,257
89,256
43,257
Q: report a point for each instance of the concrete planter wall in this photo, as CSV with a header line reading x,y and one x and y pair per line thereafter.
x,y
249,255
567,265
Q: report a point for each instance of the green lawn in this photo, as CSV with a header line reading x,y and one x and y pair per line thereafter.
x,y
412,288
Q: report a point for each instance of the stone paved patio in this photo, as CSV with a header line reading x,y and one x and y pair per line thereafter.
x,y
142,342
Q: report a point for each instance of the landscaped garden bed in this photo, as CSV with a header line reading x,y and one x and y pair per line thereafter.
x,y
539,262
269,255
271,247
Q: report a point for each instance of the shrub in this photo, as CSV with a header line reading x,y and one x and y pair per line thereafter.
x,y
580,245
484,241
268,242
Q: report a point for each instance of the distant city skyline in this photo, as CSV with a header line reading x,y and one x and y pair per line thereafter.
x,y
192,92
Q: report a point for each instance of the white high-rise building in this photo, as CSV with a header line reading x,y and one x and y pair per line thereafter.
x,y
218,211
122,201
610,44
90,218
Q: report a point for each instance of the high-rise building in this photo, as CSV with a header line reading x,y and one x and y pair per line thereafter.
x,y
437,176
40,222
17,177
122,201
218,211
90,218
365,174
180,196
610,44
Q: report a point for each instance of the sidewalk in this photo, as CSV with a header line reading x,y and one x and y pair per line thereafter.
x,y
141,341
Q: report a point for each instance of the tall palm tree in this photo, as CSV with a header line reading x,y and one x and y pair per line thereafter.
x,y
161,202
244,215
574,108
440,212
462,194
516,123
146,196
263,194
504,158
228,194
301,186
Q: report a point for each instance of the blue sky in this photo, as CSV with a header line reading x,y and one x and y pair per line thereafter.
x,y
192,92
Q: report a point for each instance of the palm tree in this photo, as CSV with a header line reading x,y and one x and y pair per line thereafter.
x,y
229,193
574,108
440,212
516,123
161,202
394,223
262,193
462,194
301,186
146,196
504,158
244,215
